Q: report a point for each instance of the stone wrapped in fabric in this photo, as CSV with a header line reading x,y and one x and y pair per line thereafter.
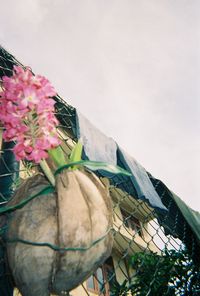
x,y
77,217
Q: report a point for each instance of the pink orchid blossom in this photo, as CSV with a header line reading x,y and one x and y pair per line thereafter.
x,y
27,114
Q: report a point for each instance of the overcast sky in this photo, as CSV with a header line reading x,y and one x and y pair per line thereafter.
x,y
130,66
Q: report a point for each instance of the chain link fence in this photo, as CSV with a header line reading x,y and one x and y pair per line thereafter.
x,y
154,252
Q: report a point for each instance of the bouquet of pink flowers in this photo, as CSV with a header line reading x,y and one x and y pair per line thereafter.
x,y
27,114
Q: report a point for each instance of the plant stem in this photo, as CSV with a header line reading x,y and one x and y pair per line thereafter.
x,y
47,172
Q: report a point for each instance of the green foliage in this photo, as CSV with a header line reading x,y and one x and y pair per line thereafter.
x,y
94,166
75,161
173,273
113,169
76,152
119,289
57,155
153,273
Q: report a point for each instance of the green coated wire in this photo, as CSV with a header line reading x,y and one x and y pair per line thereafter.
x,y
57,248
68,165
46,190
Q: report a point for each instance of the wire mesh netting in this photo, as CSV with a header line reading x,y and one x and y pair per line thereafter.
x,y
154,252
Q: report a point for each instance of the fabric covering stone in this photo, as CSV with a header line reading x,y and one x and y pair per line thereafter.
x,y
76,216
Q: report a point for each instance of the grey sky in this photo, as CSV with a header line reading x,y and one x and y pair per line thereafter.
x,y
131,66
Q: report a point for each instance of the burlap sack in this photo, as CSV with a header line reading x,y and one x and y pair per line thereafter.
x,y
75,217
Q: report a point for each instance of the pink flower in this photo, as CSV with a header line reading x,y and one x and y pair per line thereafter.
x,y
27,113
37,155
30,98
46,106
19,151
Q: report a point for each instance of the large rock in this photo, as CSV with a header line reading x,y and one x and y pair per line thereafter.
x,y
76,216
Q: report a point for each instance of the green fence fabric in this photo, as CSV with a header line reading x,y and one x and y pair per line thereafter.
x,y
174,222
191,216
9,171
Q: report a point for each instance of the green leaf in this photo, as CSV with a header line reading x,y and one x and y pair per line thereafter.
x,y
57,155
114,169
76,152
95,166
